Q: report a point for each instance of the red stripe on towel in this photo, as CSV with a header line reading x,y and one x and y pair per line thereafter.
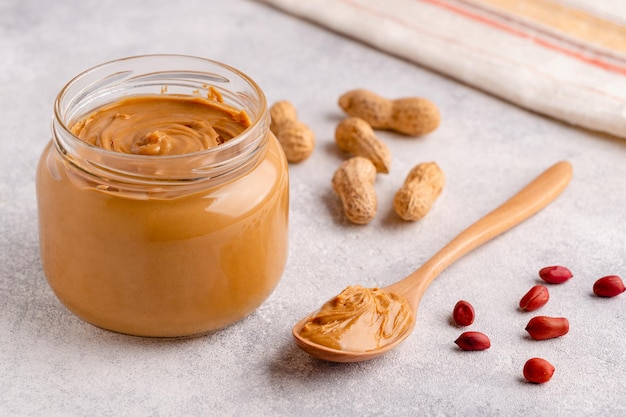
x,y
541,42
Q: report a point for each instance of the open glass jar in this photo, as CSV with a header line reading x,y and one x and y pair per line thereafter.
x,y
163,246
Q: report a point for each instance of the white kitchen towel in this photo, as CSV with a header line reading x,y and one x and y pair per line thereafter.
x,y
562,58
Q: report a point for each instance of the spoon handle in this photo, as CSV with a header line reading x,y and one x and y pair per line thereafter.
x,y
528,201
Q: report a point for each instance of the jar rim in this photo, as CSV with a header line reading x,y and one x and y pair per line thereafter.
x,y
111,80
253,124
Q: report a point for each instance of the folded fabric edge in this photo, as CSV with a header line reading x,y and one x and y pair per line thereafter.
x,y
570,103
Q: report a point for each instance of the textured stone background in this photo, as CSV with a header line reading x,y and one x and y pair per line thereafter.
x,y
54,364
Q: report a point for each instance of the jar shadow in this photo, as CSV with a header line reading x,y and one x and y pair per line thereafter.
x,y
56,325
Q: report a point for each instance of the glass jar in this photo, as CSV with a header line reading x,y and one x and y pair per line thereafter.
x,y
162,246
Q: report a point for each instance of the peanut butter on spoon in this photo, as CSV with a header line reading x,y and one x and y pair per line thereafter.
x,y
340,333
359,319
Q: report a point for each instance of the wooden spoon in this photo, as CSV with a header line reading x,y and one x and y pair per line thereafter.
x,y
532,198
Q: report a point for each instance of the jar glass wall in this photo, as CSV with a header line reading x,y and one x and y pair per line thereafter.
x,y
163,246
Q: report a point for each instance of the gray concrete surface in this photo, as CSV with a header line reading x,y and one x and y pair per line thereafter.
x,y
53,364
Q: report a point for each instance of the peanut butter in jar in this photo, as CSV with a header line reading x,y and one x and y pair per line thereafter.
x,y
162,197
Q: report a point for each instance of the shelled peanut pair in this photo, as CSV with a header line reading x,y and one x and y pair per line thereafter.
x,y
354,179
463,315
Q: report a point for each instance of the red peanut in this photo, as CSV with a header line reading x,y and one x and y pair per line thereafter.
x,y
538,371
535,298
609,286
473,341
555,274
463,313
544,327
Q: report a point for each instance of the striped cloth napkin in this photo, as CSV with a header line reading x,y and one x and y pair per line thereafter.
x,y
562,58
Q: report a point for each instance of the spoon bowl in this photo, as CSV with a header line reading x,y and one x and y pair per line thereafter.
x,y
528,201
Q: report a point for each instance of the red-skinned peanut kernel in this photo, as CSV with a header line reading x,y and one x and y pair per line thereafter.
x,y
535,298
544,327
609,286
538,370
463,313
555,274
473,341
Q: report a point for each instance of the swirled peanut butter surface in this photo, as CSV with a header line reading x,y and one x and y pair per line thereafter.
x,y
161,125
359,319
